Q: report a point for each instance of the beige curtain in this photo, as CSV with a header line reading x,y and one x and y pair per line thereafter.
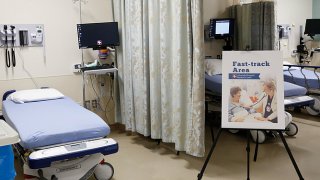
x,y
161,74
238,2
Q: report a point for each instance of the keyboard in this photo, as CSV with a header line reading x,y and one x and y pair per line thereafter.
x,y
107,66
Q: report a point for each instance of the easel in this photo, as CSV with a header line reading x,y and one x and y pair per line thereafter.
x,y
248,153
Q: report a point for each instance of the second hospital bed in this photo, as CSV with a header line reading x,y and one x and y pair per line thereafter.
x,y
308,77
59,138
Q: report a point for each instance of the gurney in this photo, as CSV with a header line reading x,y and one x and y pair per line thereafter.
x,y
310,79
59,138
295,96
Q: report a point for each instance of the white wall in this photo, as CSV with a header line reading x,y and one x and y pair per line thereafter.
x,y
61,48
294,13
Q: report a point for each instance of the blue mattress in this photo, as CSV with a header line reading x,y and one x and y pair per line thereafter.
x,y
214,84
298,78
293,90
51,122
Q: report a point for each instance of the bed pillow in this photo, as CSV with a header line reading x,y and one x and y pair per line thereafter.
x,y
32,95
286,68
213,66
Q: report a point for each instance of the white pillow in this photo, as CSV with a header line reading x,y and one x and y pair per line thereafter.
x,y
31,95
213,66
286,68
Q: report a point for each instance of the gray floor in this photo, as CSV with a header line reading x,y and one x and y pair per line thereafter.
x,y
140,158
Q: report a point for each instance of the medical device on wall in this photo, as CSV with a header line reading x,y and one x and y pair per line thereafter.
x,y
37,36
22,35
17,36
222,29
7,53
98,35
284,31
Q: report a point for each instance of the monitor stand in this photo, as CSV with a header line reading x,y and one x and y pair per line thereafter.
x,y
228,46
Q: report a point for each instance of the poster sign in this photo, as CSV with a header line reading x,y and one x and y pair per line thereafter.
x,y
252,90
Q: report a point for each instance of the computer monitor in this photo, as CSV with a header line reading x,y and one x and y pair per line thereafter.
x,y
312,27
221,28
98,35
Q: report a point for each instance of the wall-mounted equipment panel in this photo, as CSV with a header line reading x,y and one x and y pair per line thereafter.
x,y
21,35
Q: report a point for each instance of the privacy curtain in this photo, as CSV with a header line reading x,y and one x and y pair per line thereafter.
x,y
161,71
255,26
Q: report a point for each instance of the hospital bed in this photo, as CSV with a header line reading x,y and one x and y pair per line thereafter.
x,y
59,138
295,96
310,79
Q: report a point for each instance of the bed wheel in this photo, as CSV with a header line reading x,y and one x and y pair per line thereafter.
x,y
104,171
234,131
292,129
262,136
315,109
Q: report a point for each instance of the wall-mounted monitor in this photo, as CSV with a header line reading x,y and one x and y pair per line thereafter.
x,y
98,35
221,28
312,27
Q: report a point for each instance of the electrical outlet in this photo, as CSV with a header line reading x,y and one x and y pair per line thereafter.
x,y
102,89
87,104
94,103
76,68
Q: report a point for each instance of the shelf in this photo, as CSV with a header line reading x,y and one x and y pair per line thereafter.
x,y
101,71
8,135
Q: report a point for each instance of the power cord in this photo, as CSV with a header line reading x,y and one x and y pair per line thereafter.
x,y
24,68
100,97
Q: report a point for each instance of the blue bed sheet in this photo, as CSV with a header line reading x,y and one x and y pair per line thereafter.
x,y
214,84
51,122
298,78
293,90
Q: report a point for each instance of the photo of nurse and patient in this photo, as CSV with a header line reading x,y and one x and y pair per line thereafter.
x,y
246,106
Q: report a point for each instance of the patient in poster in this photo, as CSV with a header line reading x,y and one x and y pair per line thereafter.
x,y
238,112
254,102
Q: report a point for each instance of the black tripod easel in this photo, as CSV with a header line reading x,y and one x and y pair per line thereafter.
x,y
248,154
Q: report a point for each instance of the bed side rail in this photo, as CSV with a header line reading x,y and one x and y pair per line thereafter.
x,y
43,158
298,101
315,68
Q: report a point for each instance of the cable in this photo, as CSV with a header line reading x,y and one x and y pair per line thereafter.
x,y
95,92
28,73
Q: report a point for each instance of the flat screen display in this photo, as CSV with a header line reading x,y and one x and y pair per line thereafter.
x,y
312,27
221,28
98,35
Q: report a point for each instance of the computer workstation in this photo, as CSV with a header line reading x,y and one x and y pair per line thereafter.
x,y
101,37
